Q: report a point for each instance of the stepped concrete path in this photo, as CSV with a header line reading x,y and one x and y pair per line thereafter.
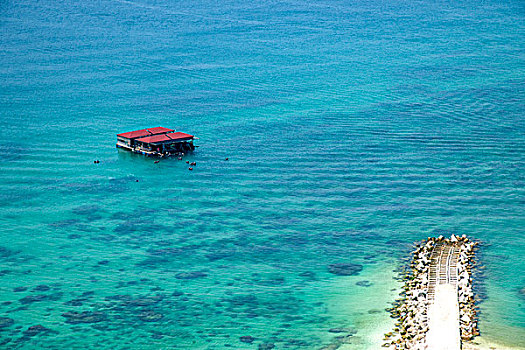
x,y
443,309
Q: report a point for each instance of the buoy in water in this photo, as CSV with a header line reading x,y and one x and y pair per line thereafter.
x,y
156,161
226,159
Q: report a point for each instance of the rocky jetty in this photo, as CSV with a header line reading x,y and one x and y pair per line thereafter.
x,y
467,309
411,309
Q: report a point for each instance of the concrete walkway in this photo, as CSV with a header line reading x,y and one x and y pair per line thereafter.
x,y
443,319
429,314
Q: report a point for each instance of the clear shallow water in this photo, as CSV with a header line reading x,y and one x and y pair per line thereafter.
x,y
352,129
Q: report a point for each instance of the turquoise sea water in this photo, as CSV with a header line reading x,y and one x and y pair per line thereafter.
x,y
352,128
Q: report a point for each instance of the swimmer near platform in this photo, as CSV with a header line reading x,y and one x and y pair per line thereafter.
x,y
158,142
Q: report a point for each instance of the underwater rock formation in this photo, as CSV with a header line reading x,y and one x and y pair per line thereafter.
x,y
73,317
247,339
6,322
345,269
35,330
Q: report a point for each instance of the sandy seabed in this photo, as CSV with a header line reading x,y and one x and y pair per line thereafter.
x,y
480,343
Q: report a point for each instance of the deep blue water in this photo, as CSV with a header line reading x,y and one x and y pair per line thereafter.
x,y
352,128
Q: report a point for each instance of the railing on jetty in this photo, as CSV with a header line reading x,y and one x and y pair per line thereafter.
x,y
443,267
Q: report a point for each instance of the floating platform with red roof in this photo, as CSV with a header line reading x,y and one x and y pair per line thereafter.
x,y
158,141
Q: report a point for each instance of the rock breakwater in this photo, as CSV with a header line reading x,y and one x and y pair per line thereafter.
x,y
434,261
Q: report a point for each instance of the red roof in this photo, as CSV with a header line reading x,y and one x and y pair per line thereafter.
x,y
180,135
145,132
165,137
